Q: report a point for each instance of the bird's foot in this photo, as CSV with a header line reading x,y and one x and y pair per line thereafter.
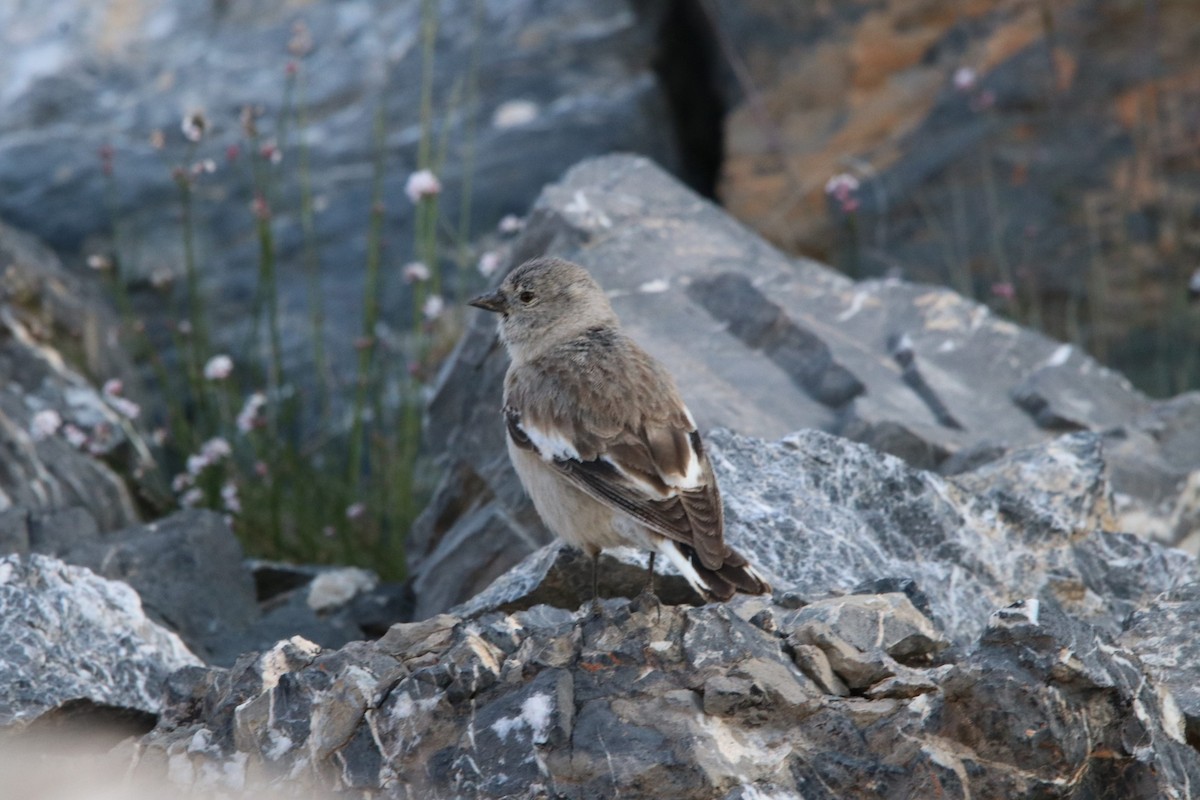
x,y
646,601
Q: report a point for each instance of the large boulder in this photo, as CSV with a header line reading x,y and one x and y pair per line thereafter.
x,y
61,437
519,92
682,703
1028,144
765,345
928,637
73,642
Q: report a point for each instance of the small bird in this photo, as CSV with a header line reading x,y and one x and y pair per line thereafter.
x,y
599,436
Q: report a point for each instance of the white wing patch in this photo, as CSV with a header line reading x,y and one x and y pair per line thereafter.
x,y
692,479
550,445
671,550
647,489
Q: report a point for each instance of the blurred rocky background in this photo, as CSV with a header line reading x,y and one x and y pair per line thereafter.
x,y
927,272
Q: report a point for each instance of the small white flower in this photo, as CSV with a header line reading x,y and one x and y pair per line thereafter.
x,y
113,387
197,463
841,183
248,418
511,223
45,424
218,368
415,271
216,449
182,481
74,436
191,498
229,497
422,184
194,124
489,262
99,262
965,78
514,114
433,307
356,510
124,407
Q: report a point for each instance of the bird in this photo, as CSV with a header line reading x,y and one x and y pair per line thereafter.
x,y
598,433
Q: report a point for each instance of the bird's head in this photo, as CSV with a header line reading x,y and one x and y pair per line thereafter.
x,y
544,302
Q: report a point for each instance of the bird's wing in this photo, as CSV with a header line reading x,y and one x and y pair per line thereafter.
x,y
644,458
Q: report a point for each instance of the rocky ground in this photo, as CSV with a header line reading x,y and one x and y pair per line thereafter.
x,y
982,542
963,618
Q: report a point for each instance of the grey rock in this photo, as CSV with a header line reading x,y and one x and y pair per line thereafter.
x,y
682,703
55,331
68,635
887,622
579,76
1163,635
821,515
188,570
57,532
765,345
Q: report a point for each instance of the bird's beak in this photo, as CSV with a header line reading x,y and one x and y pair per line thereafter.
x,y
492,301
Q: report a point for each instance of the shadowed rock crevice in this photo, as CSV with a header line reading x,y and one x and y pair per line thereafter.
x,y
763,325
686,65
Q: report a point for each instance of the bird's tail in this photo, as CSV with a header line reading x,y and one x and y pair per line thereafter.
x,y
735,575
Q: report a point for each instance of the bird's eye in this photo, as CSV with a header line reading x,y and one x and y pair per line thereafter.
x,y
525,296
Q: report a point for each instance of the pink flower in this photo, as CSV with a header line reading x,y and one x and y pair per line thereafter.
x,y
45,424
124,407
422,184
74,436
218,368
983,100
260,208
842,188
271,152
191,498
113,387
1004,290
415,272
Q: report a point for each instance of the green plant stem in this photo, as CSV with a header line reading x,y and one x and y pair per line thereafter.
x,y
364,373
312,257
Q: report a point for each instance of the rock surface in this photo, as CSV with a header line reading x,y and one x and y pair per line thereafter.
x,y
994,143
51,326
680,703
766,345
69,637
985,635
823,514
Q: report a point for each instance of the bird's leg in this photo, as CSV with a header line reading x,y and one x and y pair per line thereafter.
x,y
649,587
647,596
